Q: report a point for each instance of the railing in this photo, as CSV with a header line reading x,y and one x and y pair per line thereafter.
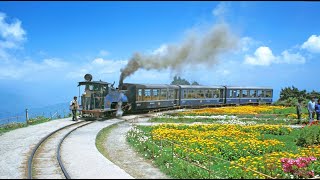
x,y
12,119
30,115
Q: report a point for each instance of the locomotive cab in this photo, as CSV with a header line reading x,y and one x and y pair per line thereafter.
x,y
99,98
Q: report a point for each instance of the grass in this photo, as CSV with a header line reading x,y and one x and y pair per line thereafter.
x,y
101,139
13,126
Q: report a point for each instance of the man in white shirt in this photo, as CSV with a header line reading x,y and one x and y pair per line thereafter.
x,y
311,109
74,107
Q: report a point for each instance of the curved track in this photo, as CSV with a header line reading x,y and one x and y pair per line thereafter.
x,y
44,161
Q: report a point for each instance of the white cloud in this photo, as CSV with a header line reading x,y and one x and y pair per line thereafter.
x,y
246,43
32,69
104,53
99,68
12,31
220,10
11,37
289,58
263,56
312,44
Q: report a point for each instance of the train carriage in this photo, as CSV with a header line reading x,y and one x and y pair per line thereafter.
x,y
151,96
248,95
196,95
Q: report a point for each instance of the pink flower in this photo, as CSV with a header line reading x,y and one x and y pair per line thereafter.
x,y
296,166
312,158
311,173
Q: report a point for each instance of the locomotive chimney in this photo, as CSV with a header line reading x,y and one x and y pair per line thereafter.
x,y
121,82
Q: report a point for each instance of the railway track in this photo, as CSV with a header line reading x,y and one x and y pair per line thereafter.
x,y
45,160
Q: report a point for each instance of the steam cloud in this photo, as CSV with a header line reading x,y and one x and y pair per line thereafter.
x,y
195,49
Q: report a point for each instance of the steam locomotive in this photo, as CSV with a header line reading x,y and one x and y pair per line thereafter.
x,y
101,98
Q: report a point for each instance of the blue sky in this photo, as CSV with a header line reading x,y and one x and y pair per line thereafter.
x,y
47,47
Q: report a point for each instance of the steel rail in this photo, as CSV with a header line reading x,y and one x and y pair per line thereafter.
x,y
65,172
30,160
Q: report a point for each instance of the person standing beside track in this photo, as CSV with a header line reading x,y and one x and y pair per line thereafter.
x,y
317,109
74,106
299,110
311,109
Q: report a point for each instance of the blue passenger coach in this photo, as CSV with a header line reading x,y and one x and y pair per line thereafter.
x,y
192,95
248,95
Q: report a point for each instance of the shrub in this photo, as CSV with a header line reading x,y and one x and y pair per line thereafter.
x,y
309,135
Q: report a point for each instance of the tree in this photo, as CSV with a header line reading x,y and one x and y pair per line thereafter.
x,y
195,83
294,92
289,96
178,81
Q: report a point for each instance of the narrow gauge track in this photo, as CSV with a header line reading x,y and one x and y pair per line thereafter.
x,y
45,160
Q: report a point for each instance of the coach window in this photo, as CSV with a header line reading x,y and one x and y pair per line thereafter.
x,y
216,93
155,94
190,94
193,94
259,93
230,93
176,94
139,95
201,94
163,94
209,93
268,93
185,92
244,93
212,93
252,93
170,94
147,94
197,94
237,93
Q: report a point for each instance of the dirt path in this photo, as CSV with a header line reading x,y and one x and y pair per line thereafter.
x,y
122,154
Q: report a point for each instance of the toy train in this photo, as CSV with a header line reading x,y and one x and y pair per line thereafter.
x,y
101,98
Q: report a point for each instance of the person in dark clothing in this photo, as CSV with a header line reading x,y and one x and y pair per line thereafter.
x,y
317,109
74,107
299,111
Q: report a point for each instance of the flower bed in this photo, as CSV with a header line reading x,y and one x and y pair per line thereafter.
x,y
245,151
235,110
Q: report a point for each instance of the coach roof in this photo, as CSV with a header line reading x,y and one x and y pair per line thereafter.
x,y
152,85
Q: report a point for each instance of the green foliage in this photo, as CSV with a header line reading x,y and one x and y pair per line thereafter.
x,y
292,92
38,120
177,80
195,83
101,138
11,126
309,135
289,96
